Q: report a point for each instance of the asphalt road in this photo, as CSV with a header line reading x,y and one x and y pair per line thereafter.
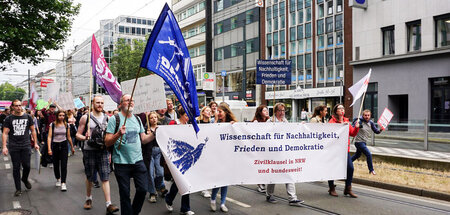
x,y
45,198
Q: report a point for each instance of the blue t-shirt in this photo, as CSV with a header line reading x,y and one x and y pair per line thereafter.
x,y
130,152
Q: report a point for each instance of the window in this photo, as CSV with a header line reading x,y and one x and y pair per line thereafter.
x,y
133,20
308,61
301,48
250,46
300,62
292,34
338,22
139,21
138,31
339,38
442,35
307,3
308,44
203,28
133,30
275,11
202,50
219,54
282,36
330,7
330,73
269,13
320,26
249,17
293,48
307,30
275,24
321,75
127,30
128,19
275,53
320,59
308,14
308,74
330,40
275,38
121,29
320,11
144,22
219,5
233,23
282,8
292,5
329,21
339,6
300,17
300,32
283,50
219,27
329,59
414,35
388,40
234,49
293,19
339,56
321,42
269,25
282,22
299,4
269,40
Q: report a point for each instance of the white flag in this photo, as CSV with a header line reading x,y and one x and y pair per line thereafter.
x,y
358,89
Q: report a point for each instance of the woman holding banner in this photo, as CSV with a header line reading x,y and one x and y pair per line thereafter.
x,y
261,115
319,115
205,117
338,117
224,114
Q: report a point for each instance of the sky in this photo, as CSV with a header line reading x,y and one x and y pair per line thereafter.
x,y
84,25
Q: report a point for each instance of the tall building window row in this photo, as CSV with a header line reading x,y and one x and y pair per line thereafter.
x,y
237,21
194,31
197,51
134,30
236,49
220,5
199,7
140,21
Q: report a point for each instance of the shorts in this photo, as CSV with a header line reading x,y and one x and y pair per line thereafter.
x,y
96,161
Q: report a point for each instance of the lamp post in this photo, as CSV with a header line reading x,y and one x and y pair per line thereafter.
x,y
29,89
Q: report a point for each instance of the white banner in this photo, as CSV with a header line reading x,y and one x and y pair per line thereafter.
x,y
52,91
253,153
149,93
109,104
65,100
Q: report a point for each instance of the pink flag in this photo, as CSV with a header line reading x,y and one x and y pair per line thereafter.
x,y
358,89
102,74
34,97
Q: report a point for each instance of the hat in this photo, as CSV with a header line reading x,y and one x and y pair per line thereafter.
x,y
52,106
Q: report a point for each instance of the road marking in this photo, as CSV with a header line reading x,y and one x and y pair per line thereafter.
x,y
5,158
237,202
16,205
7,166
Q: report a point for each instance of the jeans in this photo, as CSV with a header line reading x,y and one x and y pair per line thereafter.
x,y
362,148
155,168
350,169
290,190
124,172
223,194
20,157
59,151
185,203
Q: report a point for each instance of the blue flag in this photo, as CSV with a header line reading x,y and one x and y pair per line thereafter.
x,y
166,55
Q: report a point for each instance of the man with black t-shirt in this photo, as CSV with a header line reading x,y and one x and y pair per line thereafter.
x,y
16,128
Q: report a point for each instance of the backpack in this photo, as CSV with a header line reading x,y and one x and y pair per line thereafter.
x,y
97,139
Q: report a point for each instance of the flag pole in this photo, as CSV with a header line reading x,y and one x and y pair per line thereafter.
x,y
90,102
273,106
129,103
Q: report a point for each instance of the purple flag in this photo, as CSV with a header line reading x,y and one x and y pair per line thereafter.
x,y
103,74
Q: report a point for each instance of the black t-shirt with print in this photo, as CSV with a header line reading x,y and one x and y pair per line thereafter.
x,y
19,131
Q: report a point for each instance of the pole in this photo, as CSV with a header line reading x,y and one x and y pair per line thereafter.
x,y
29,89
90,101
360,109
244,65
129,103
223,88
273,105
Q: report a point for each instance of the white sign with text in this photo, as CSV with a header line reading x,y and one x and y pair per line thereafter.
x,y
149,94
385,118
65,100
52,91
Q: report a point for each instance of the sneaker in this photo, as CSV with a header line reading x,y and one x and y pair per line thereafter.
x,y
58,183
163,192
224,208
206,194
296,203
169,207
18,193
63,187
88,204
27,184
261,188
96,184
373,172
188,213
213,206
270,199
111,209
152,198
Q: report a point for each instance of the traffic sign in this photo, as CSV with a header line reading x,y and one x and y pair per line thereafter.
x,y
224,73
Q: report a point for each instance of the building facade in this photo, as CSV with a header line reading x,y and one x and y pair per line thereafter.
x,y
236,47
313,34
407,45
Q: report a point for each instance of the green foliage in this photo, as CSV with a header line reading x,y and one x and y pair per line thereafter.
x,y
30,27
8,92
127,59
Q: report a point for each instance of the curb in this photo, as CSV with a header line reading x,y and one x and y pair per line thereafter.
x,y
418,139
404,189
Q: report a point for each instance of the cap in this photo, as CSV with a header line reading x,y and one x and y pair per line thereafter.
x,y
52,106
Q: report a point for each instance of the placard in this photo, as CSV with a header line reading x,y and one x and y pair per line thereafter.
x,y
65,100
78,103
109,104
385,118
273,72
149,94
52,91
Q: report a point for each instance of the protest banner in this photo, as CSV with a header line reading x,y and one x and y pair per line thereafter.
x,y
109,104
265,153
78,103
275,72
41,104
65,100
149,93
52,91
385,118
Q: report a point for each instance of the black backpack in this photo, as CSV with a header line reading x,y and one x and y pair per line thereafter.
x,y
97,139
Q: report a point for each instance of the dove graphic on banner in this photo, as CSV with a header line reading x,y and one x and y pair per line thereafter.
x,y
358,89
183,155
166,55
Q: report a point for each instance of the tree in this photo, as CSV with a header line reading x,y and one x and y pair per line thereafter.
x,y
8,92
127,59
30,27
